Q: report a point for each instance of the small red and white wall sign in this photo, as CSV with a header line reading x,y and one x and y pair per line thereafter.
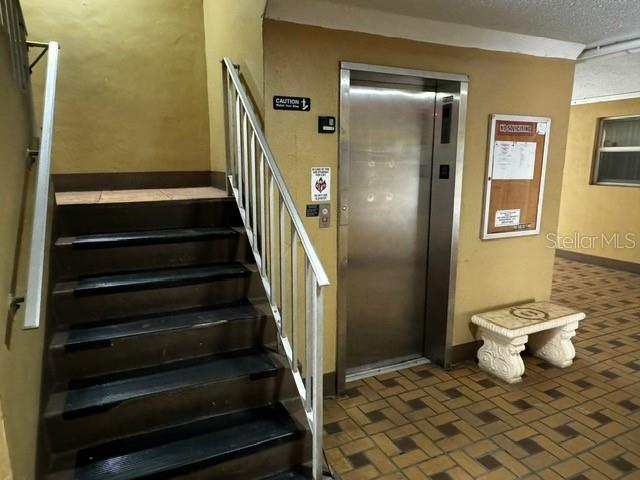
x,y
320,184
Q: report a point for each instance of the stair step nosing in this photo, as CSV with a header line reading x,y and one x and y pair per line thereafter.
x,y
164,324
151,237
73,343
157,282
158,278
281,431
269,368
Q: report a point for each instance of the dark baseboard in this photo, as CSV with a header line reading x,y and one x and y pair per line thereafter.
x,y
464,351
219,179
601,261
329,384
79,182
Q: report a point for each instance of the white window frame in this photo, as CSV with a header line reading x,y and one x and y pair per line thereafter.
x,y
600,149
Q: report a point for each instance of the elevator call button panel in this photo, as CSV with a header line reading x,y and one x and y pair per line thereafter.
x,y
325,215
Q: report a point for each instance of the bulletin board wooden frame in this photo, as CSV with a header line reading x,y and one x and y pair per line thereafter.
x,y
510,194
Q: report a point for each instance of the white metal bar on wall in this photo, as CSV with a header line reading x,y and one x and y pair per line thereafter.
x,y
37,252
271,220
13,25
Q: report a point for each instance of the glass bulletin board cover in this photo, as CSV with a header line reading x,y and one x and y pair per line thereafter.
x,y
515,176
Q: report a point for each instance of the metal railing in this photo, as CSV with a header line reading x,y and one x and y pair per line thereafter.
x,y
37,252
12,23
276,233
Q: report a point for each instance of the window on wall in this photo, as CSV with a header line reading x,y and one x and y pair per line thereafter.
x,y
617,159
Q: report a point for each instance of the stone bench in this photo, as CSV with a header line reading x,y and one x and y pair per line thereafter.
x,y
505,333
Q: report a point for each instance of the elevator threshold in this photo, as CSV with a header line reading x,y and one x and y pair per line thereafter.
x,y
386,366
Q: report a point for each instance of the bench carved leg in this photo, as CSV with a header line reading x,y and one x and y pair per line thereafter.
x,y
500,356
554,346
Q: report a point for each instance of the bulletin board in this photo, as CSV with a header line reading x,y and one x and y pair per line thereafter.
x,y
515,176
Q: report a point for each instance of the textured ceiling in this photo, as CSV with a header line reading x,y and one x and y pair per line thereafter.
x,y
581,21
607,76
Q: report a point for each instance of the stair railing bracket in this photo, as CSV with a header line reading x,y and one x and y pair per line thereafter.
x,y
32,155
15,303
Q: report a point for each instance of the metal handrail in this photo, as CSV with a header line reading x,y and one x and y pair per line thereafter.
x,y
36,269
323,279
268,211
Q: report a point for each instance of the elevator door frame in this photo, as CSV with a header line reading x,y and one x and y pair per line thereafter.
x,y
444,357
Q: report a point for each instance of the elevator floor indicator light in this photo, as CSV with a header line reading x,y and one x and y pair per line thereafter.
x,y
302,104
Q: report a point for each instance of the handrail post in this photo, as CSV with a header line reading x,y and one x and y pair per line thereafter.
x,y
263,215
272,246
253,211
238,173
283,274
244,181
294,292
227,128
309,349
37,252
317,382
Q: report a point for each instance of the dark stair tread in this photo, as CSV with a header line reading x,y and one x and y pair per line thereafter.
x,y
81,337
101,392
148,237
199,444
158,278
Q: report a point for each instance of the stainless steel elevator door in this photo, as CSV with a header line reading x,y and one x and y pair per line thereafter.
x,y
390,138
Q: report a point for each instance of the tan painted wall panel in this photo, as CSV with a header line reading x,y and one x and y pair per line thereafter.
x,y
591,210
20,351
304,61
233,29
132,84
5,463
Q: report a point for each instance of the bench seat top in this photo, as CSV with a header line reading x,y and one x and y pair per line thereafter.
x,y
525,319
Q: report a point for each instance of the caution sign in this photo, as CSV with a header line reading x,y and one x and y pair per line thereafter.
x,y
320,184
302,104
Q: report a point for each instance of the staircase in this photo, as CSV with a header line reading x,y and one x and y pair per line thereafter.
x,y
163,354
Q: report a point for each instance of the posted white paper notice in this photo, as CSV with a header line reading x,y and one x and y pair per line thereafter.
x,y
507,218
513,160
320,184
541,128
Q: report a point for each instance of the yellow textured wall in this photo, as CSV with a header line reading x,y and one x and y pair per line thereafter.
x,y
132,84
20,351
233,28
591,210
302,60
5,462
